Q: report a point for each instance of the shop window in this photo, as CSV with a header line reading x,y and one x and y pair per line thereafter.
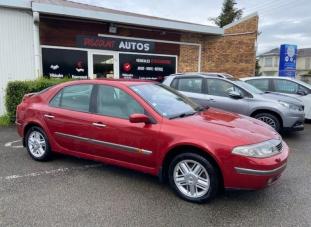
x,y
307,63
193,85
114,102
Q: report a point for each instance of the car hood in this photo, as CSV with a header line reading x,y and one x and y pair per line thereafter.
x,y
282,97
233,129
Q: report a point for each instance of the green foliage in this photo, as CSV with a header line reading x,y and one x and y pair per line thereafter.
x,y
257,68
5,120
16,90
228,14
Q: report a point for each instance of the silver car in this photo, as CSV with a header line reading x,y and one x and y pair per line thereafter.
x,y
281,112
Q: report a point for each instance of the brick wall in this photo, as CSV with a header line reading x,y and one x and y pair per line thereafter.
x,y
233,53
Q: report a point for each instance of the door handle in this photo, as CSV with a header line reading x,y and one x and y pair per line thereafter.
x,y
212,100
99,124
49,116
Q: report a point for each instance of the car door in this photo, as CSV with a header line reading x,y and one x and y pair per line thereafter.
x,y
114,136
69,119
218,95
192,87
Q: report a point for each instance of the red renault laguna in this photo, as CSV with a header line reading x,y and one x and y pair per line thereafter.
x,y
151,128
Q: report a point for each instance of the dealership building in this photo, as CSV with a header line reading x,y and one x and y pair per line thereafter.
x,y
58,38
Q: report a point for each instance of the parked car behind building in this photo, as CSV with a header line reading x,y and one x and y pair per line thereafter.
x,y
288,86
279,111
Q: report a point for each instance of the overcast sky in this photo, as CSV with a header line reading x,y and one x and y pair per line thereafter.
x,y
281,21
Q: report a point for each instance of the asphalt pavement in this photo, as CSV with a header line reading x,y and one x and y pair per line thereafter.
x,y
73,192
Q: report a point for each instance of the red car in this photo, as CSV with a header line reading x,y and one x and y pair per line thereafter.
x,y
151,128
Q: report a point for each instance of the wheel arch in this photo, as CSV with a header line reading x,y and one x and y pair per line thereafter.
x,y
28,126
275,113
187,148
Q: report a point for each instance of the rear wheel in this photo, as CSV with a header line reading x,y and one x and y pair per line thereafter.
x,y
193,178
37,144
269,119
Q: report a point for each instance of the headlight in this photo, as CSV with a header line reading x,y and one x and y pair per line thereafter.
x,y
291,106
260,150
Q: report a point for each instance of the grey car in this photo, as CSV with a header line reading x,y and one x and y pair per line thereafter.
x,y
281,112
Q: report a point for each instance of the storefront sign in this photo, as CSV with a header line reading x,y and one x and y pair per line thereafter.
x,y
150,67
116,44
59,63
288,58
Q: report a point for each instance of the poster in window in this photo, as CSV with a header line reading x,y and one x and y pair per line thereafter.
x,y
148,67
60,63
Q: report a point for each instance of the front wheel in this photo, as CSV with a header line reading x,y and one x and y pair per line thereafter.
x,y
193,178
270,119
37,144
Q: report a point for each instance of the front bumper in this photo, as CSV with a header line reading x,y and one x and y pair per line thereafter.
x,y
293,121
255,173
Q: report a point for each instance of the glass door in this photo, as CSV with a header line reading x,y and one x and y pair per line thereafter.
x,y
102,65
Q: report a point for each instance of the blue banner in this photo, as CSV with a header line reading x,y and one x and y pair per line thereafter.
x,y
288,58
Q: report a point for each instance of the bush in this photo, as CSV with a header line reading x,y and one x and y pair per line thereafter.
x,y
5,120
16,90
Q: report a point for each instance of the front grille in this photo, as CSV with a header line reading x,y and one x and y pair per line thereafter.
x,y
279,146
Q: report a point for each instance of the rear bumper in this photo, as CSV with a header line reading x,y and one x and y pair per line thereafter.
x,y
255,173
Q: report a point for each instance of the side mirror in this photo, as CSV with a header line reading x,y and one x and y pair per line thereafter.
x,y
139,118
235,95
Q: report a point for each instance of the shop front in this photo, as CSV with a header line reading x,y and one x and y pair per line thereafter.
x,y
107,57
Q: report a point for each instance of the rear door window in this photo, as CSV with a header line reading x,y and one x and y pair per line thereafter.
x,y
285,86
194,85
261,84
75,97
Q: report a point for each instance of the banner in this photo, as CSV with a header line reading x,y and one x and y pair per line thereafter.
x,y
288,58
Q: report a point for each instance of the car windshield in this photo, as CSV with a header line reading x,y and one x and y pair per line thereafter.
x,y
250,88
166,101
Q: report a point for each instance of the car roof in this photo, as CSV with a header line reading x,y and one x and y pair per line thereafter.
x,y
202,74
125,82
267,77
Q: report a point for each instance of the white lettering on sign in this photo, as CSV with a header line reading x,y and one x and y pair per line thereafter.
x,y
141,60
141,68
134,46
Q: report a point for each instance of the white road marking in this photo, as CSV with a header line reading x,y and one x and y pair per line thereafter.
x,y
48,172
11,144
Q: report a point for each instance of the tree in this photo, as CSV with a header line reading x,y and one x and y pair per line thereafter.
x,y
228,14
257,68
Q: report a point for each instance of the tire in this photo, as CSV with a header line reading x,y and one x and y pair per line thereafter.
x,y
270,119
190,188
37,144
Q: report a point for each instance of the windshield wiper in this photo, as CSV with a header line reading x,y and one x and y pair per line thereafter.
x,y
184,115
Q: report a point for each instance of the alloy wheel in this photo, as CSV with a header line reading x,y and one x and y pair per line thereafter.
x,y
268,121
191,178
37,144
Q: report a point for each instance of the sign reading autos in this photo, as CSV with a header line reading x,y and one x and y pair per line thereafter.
x,y
59,63
288,58
116,44
149,67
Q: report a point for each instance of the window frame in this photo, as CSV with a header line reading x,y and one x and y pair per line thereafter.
x,y
280,79
61,96
177,79
247,94
94,103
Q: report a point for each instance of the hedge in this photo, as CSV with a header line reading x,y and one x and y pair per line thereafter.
x,y
16,90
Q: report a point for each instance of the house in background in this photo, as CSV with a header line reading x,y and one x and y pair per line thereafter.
x,y
269,62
